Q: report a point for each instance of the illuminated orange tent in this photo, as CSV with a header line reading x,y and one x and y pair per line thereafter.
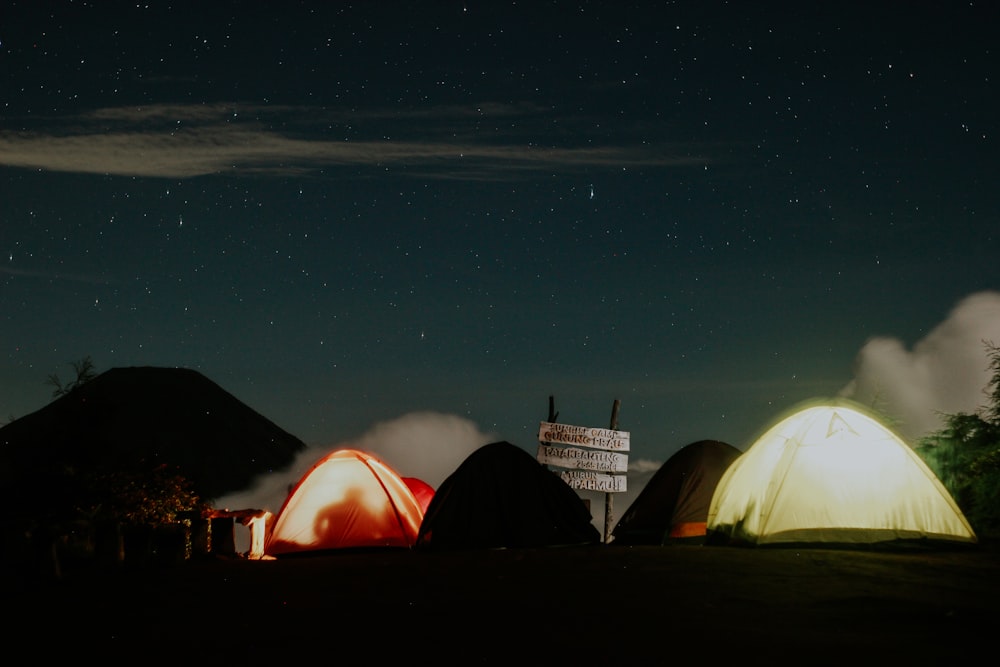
x,y
832,473
674,503
348,499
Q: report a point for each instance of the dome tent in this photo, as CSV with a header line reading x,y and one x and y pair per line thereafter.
x,y
832,473
348,499
502,497
674,503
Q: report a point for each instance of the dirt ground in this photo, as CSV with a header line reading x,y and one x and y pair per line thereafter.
x,y
596,604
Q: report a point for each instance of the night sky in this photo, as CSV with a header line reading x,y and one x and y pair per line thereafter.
x,y
348,213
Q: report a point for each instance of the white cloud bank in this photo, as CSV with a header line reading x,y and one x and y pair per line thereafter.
x,y
425,445
947,372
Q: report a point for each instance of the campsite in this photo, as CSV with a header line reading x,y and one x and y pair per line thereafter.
x,y
826,540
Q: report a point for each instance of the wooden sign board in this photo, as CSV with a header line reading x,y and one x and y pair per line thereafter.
x,y
582,459
594,481
584,436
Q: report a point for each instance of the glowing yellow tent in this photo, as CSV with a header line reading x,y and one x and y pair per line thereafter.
x,y
348,499
832,473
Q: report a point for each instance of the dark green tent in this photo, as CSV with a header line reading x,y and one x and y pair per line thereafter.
x,y
674,504
500,496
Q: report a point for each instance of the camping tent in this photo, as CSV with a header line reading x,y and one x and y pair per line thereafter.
x,y
674,503
348,499
500,496
832,473
422,491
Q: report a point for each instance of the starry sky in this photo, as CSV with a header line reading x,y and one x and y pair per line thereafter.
x,y
347,213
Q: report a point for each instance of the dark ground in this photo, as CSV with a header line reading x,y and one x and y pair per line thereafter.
x,y
588,605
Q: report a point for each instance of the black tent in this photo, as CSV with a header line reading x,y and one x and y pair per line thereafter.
x,y
500,496
674,504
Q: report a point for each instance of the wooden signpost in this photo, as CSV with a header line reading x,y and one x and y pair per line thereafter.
x,y
589,456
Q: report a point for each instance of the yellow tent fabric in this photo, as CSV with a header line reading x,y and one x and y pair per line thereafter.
x,y
832,473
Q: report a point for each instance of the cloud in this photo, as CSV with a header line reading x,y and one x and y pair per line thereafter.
x,y
179,141
426,445
945,373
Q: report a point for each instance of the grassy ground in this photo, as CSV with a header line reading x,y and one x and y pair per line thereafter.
x,y
598,604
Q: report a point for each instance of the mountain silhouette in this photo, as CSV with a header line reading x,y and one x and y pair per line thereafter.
x,y
142,418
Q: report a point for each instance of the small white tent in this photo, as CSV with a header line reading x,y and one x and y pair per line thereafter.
x,y
832,473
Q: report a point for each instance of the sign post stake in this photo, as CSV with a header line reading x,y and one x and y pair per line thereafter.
x,y
609,497
590,458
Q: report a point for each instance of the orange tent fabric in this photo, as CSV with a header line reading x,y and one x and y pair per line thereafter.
x,y
423,491
348,499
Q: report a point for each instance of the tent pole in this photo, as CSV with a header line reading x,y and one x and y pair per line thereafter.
x,y
609,497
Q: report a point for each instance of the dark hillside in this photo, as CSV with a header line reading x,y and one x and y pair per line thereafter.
x,y
144,417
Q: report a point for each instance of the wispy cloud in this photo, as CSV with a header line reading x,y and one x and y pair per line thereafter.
x,y
183,141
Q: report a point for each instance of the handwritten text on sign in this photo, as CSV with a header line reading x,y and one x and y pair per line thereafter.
x,y
582,459
593,481
584,436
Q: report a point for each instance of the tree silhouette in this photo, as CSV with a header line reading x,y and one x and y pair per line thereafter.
x,y
992,411
137,496
84,371
965,455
